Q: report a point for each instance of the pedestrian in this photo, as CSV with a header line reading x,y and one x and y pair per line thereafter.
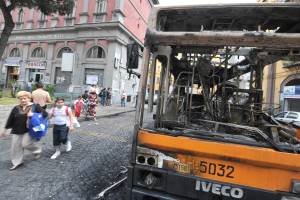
x,y
123,98
103,94
63,122
85,96
98,89
40,96
29,85
108,97
79,104
17,122
93,101
93,89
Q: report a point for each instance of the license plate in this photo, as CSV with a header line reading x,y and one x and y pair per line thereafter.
x,y
217,169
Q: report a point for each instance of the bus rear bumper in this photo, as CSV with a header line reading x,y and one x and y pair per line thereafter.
x,y
175,186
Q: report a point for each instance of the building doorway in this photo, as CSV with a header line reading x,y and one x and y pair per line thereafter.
x,y
62,80
36,75
12,75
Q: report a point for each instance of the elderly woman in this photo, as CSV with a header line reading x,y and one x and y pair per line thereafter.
x,y
21,140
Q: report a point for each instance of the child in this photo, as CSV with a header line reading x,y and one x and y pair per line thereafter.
x,y
63,121
79,104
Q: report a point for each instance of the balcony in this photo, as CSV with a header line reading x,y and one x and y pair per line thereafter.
x,y
69,21
42,23
100,17
19,25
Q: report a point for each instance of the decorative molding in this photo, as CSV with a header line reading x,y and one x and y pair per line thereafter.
x,y
67,17
84,14
100,14
42,21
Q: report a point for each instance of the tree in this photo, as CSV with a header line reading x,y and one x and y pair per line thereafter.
x,y
47,7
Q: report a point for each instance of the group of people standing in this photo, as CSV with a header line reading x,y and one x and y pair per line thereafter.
x,y
105,96
19,123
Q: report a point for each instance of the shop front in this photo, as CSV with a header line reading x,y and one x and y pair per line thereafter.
x,y
36,70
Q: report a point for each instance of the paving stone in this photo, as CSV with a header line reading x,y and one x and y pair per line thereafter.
x,y
93,164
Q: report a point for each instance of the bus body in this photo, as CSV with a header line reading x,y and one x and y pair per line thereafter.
x,y
211,136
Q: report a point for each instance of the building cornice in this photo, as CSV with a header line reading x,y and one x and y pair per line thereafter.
x,y
67,28
59,31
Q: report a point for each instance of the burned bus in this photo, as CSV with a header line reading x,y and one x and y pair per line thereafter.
x,y
212,137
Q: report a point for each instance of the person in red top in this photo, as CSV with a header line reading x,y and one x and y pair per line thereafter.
x,y
79,104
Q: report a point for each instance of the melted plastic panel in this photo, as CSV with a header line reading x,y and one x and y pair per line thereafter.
x,y
281,18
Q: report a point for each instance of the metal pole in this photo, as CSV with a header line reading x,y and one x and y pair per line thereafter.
x,y
191,97
142,88
152,84
223,86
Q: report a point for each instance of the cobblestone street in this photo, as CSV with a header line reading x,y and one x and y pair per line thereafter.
x,y
99,149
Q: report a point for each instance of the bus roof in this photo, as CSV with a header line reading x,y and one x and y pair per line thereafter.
x,y
264,25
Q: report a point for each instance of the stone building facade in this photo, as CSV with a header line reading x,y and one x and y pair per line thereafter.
x,y
95,35
281,86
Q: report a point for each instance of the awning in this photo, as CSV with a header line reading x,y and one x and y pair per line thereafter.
x,y
15,62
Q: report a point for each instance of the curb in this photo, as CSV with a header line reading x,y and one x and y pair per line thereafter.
x,y
81,119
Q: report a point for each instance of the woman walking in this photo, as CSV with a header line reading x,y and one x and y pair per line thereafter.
x,y
63,122
93,101
21,140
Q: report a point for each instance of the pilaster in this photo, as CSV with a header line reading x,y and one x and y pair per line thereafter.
x,y
49,68
109,69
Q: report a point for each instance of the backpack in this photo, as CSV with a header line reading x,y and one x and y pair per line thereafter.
x,y
38,124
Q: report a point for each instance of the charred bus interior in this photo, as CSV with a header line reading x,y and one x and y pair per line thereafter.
x,y
213,90
216,93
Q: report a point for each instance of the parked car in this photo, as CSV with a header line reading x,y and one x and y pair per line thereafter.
x,y
288,116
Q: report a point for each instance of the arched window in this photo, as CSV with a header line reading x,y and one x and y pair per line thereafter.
x,y
95,52
38,53
20,16
64,50
15,52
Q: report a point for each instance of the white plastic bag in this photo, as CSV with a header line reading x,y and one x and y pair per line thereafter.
x,y
75,122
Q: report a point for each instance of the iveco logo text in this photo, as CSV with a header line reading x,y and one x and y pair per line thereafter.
x,y
223,190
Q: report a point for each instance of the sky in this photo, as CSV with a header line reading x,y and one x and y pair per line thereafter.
x,y
187,2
